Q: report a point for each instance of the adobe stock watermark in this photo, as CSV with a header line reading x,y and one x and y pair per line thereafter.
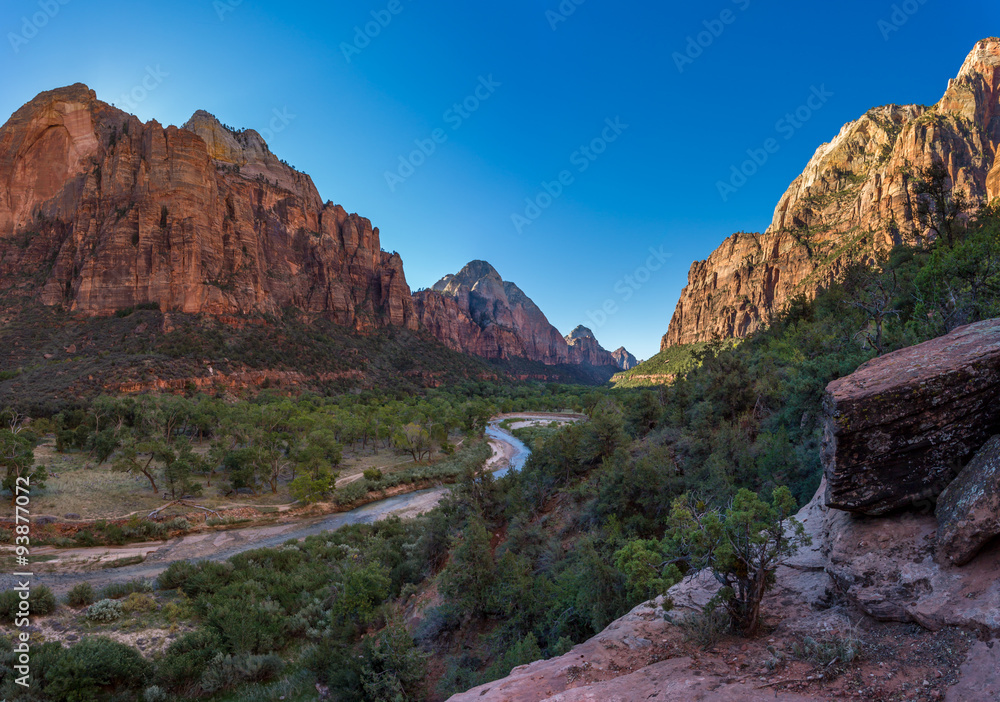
x,y
279,123
224,7
151,81
31,26
901,14
566,9
455,116
786,127
365,34
626,288
714,28
582,159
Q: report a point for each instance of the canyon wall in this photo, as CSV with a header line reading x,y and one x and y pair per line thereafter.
x,y
854,198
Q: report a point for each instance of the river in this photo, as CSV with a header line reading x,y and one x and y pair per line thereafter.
x,y
509,454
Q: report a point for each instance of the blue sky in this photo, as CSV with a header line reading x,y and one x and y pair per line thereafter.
x,y
354,103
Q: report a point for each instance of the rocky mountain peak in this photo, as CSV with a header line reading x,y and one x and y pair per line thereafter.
x,y
247,151
112,213
854,197
581,332
624,359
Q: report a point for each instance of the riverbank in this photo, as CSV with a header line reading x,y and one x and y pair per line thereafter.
x,y
65,567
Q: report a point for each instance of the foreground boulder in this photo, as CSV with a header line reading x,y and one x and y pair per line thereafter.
x,y
900,428
968,511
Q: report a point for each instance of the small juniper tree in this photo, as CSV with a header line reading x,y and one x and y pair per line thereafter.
x,y
939,204
742,546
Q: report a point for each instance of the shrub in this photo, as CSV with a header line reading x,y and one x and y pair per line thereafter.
x,y
742,545
139,602
373,475
81,595
154,693
41,601
226,671
706,628
105,611
176,575
116,591
93,668
827,651
185,660
177,524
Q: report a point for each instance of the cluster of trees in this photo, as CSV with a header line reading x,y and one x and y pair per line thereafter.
x,y
178,443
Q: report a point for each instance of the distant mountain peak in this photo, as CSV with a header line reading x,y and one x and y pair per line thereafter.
x,y
624,359
477,311
580,332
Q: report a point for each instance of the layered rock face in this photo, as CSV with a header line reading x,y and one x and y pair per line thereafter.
x,y
899,429
624,359
968,511
855,196
584,348
475,311
100,212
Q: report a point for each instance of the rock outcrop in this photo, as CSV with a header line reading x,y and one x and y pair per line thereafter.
x,y
100,212
968,511
584,348
854,197
624,359
476,311
899,429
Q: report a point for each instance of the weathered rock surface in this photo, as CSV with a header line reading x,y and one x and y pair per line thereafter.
x,y
476,311
886,567
968,511
624,359
584,348
979,677
100,212
899,429
855,195
602,669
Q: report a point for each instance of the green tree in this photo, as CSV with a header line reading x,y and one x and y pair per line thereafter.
x,y
647,571
17,456
742,546
469,578
939,205
415,440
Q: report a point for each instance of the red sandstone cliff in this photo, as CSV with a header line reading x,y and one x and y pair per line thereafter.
x,y
100,212
855,196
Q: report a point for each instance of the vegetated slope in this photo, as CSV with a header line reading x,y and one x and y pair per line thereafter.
x,y
54,360
856,196
661,369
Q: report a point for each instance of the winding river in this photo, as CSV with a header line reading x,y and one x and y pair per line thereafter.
x,y
509,453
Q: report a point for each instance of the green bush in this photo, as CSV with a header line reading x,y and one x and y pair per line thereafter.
x,y
41,601
116,591
225,671
105,611
81,595
138,602
373,475
185,660
93,668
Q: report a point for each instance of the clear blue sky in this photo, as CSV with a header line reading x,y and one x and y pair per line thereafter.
x,y
654,186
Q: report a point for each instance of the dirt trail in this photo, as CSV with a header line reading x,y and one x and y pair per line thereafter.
x,y
508,452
